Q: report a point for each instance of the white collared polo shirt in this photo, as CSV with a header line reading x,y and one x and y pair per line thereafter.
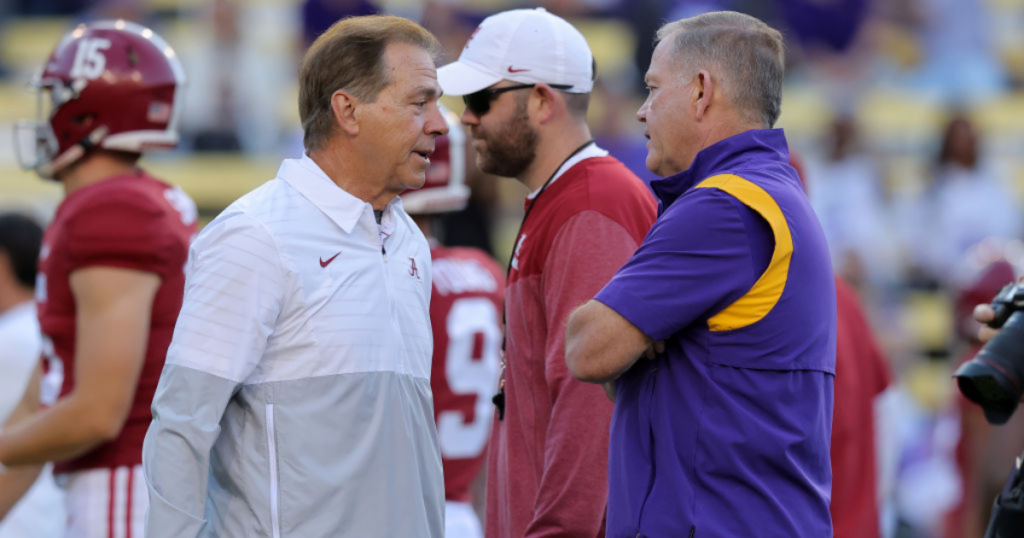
x,y
296,396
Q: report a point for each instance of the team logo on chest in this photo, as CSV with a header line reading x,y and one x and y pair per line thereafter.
x,y
413,270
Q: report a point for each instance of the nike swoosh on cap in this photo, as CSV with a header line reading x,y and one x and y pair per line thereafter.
x,y
511,70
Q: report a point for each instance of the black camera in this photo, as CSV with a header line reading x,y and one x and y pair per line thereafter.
x,y
993,379
1008,510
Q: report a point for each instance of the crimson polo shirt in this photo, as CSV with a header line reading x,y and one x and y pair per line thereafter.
x,y
727,433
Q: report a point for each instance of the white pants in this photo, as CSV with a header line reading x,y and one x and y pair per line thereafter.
x,y
106,503
460,521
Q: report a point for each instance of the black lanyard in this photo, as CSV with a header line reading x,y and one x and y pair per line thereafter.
x,y
499,398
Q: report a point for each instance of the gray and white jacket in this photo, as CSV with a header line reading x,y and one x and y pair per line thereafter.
x,y
295,401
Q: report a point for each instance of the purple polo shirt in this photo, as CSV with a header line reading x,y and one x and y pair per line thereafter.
x,y
726,434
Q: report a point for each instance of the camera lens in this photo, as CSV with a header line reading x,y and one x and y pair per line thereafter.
x,y
993,378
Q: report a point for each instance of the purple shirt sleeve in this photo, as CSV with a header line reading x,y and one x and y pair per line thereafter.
x,y
703,253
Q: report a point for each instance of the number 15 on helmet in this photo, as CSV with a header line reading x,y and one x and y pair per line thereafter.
x,y
114,85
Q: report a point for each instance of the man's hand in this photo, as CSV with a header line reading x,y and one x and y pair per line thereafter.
x,y
609,389
654,349
651,353
15,482
600,344
983,313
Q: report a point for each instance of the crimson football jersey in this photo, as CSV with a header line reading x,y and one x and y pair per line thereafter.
x,y
465,312
134,222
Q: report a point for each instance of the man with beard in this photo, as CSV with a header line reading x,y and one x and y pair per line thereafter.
x,y
525,76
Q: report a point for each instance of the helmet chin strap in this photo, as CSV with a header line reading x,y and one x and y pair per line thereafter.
x,y
74,153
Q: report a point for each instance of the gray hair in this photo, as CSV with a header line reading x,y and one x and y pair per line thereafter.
x,y
350,56
743,52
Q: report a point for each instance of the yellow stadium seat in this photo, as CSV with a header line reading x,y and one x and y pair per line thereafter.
x,y
26,42
611,41
17,102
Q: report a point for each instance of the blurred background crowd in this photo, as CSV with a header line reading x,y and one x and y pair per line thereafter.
x,y
905,117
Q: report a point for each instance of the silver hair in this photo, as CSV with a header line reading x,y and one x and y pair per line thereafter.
x,y
744,53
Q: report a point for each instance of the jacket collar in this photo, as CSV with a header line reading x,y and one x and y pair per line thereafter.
x,y
730,153
341,207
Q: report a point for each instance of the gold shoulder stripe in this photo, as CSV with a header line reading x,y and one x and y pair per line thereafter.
x,y
761,298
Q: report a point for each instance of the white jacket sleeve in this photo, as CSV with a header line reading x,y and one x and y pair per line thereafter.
x,y
234,291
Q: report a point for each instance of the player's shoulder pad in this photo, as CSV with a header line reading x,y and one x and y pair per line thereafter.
x,y
131,226
120,197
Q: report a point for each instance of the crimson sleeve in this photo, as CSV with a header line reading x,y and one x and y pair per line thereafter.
x,y
573,490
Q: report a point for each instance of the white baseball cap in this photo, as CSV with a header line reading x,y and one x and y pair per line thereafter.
x,y
529,46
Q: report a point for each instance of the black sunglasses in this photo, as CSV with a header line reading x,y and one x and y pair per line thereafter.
x,y
479,103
